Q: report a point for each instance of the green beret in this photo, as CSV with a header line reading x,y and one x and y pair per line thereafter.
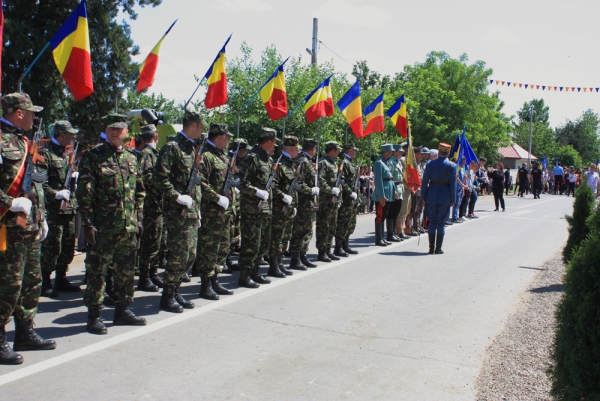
x,y
194,116
310,143
331,146
219,129
114,120
349,146
149,129
62,127
290,141
386,147
14,101
267,134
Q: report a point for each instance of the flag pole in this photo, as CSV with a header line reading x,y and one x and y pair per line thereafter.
x,y
22,77
193,94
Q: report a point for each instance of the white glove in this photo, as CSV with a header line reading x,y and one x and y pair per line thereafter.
x,y
64,194
43,230
295,212
315,190
75,175
353,195
287,199
335,191
185,200
21,205
223,202
264,195
237,191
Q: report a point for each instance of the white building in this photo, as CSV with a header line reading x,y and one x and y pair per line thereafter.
x,y
514,156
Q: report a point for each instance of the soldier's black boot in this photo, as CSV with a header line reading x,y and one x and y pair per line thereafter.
x,y
181,300
330,255
125,317
323,257
391,231
274,270
245,280
144,282
284,269
26,339
108,290
217,287
47,288
157,281
95,325
431,244
234,267
379,235
167,301
206,290
258,278
438,244
296,262
305,261
339,250
350,251
62,283
266,260
227,268
7,355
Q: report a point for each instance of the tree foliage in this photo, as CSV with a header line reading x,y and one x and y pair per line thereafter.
x,y
582,134
583,208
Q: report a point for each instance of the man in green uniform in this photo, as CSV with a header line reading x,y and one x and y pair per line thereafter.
x,y
20,274
398,172
181,211
304,221
59,248
346,220
110,194
329,201
384,193
255,208
153,218
215,228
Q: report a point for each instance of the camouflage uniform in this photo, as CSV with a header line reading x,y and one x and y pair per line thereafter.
x,y
328,203
235,203
110,194
346,219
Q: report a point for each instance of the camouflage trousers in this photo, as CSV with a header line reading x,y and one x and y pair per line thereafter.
x,y
281,225
346,221
58,248
213,234
20,275
235,229
326,224
287,236
182,240
226,244
302,230
256,238
115,251
150,241
162,251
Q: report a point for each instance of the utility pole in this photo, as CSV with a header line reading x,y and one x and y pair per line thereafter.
x,y
313,53
530,131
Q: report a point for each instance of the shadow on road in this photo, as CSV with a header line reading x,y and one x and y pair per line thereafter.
x,y
549,288
530,268
405,253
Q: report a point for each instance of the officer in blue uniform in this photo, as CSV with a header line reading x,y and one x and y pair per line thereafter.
x,y
384,194
438,191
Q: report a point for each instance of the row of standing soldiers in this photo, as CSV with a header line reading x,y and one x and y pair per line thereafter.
x,y
129,200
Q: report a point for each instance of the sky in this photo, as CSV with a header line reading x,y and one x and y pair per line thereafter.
x,y
526,41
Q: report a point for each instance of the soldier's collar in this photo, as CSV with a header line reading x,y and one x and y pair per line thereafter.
x,y
54,141
347,156
186,137
5,121
286,154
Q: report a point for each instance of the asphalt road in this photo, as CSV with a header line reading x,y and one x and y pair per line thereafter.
x,y
389,323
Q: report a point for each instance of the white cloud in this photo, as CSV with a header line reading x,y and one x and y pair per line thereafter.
x,y
500,34
346,13
242,5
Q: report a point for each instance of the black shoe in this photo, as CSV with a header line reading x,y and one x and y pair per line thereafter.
x,y
47,288
431,244
379,235
331,255
296,262
26,339
217,287
393,238
258,278
181,300
286,271
403,236
144,282
62,284
167,301
391,231
274,269
339,250
7,355
95,325
347,248
305,261
245,280
186,278
125,317
439,240
323,257
206,290
157,281
449,222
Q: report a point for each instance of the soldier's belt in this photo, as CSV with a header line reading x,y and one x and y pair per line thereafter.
x,y
388,179
397,182
439,184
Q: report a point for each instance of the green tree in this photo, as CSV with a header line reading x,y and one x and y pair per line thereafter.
x,y
583,208
568,156
582,134
543,137
30,24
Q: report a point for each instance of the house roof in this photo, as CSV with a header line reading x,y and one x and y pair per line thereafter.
x,y
515,152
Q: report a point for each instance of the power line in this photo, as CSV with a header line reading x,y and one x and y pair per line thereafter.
x,y
340,57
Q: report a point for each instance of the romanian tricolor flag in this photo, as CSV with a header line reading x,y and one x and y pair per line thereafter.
x,y
411,174
374,116
351,108
319,103
216,95
71,51
148,67
273,94
397,113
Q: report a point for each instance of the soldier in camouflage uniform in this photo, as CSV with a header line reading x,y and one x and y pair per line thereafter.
x,y
284,204
215,230
153,217
329,201
255,208
110,194
59,248
304,221
20,274
181,211
346,220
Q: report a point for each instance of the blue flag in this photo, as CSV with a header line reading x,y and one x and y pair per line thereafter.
x,y
545,162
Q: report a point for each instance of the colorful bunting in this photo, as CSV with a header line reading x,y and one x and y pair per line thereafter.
x,y
544,87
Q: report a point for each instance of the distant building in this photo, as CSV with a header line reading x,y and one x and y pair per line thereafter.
x,y
514,156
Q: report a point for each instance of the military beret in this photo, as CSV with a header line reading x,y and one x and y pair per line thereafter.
x,y
114,120
234,144
418,149
14,101
329,146
349,146
62,127
219,129
194,116
290,141
444,148
398,148
310,143
424,150
386,147
267,134
149,129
